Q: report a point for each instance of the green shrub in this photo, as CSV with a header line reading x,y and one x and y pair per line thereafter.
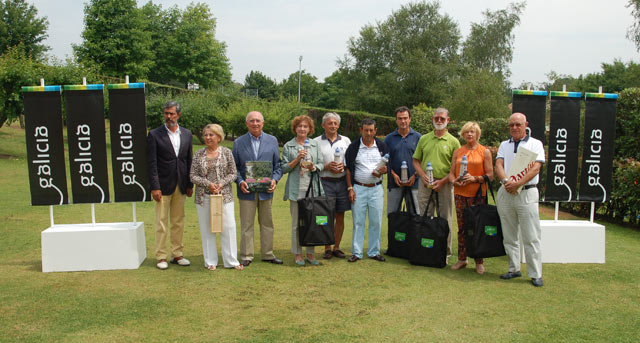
x,y
199,108
628,124
625,195
350,121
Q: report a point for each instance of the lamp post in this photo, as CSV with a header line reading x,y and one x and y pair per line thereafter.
x,y
299,77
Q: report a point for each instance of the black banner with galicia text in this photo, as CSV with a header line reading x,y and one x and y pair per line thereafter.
x,y
45,145
87,144
562,166
128,142
533,105
598,149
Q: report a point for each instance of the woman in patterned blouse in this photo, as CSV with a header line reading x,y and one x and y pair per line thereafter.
x,y
213,171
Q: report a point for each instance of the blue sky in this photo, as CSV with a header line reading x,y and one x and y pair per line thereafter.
x,y
567,36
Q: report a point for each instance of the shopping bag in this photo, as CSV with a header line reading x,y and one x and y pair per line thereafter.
x,y
400,222
316,216
429,244
215,212
483,228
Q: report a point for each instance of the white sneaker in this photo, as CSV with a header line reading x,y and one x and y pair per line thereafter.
x,y
181,261
162,265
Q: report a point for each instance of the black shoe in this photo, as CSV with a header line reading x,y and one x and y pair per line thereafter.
x,y
275,260
386,252
328,254
510,275
377,258
353,258
245,263
537,282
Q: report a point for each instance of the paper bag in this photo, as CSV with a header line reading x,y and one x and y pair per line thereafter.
x,y
215,212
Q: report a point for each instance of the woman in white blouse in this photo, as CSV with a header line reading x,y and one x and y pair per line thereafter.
x,y
213,170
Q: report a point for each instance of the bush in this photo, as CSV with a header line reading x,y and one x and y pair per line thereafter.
x,y
350,121
628,124
625,196
199,108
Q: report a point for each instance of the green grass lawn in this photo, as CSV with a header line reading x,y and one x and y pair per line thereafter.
x,y
366,301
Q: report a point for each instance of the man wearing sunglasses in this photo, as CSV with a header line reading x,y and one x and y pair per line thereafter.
x,y
436,147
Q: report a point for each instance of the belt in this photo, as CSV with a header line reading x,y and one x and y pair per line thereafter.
x,y
333,179
529,186
369,184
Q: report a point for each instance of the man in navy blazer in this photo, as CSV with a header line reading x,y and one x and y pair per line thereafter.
x,y
169,154
256,145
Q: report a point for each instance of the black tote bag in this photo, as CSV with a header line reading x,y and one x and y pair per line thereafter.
x,y
429,245
316,216
400,229
483,228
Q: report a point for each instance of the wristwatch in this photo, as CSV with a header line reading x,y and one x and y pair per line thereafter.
x,y
503,181
349,188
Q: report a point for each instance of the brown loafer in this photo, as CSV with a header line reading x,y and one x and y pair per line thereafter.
x,y
377,258
327,254
339,254
353,258
246,263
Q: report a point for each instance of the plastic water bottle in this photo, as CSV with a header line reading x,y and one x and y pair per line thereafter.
x,y
463,167
429,174
336,156
307,146
382,163
404,172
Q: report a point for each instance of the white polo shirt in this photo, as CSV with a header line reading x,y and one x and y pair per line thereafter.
x,y
366,161
328,148
507,152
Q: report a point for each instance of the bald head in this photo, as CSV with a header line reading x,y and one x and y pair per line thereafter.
x,y
518,126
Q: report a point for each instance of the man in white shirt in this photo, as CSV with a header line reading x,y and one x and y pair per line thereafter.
x,y
519,210
333,147
364,182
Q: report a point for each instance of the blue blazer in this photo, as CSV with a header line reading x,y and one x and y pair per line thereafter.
x,y
164,167
243,152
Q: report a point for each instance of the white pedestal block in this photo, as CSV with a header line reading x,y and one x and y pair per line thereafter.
x,y
572,241
85,247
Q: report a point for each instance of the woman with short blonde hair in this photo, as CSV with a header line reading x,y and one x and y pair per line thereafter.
x,y
465,188
213,171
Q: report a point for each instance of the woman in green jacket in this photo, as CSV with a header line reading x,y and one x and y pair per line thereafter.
x,y
300,156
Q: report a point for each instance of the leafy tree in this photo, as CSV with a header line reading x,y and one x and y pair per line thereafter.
x,y
267,87
16,70
489,46
114,39
405,59
477,96
187,51
20,24
633,33
310,89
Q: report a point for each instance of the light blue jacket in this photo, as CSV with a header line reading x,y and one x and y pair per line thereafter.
x,y
289,153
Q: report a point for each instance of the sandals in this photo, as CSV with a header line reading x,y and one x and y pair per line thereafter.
x,y
211,267
239,267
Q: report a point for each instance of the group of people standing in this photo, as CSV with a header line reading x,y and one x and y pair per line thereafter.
x,y
350,172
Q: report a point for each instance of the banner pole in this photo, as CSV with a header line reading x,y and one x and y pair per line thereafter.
x,y
555,217
133,204
593,204
50,206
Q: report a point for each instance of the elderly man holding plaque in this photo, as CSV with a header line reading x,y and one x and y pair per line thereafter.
x,y
169,155
257,157
213,170
518,163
